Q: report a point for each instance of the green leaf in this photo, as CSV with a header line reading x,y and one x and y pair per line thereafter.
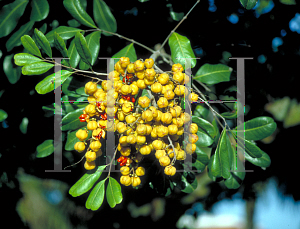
x,y
209,170
3,115
258,128
96,196
113,192
213,73
47,84
263,161
73,23
72,139
30,45
128,51
293,115
60,44
176,16
40,10
236,178
43,42
248,4
221,164
253,150
43,28
188,182
201,111
103,17
71,120
86,182
206,126
23,125
12,74
83,49
204,139
215,124
10,15
15,39
279,108
45,149
36,68
22,59
64,31
288,2
77,11
229,115
201,156
73,54
181,48
93,44
67,105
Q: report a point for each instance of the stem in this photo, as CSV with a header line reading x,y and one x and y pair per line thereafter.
x,y
112,160
210,107
185,17
174,158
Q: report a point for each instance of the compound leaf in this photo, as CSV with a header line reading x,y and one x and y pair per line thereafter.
x,y
113,192
86,182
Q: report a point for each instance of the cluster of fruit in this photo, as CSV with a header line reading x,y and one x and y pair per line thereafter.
x,y
153,123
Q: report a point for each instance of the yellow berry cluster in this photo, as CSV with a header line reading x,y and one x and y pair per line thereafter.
x,y
147,124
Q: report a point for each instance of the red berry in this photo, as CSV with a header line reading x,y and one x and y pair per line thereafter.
x,y
120,159
133,100
122,164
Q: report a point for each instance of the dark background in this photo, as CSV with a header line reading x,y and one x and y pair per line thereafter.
x,y
211,31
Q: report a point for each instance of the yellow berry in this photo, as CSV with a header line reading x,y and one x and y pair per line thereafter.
x,y
147,115
140,139
125,170
166,118
178,122
90,110
163,78
90,156
126,89
170,170
144,101
124,62
135,181
89,165
157,144
169,94
193,138
95,145
134,89
177,68
140,171
162,102
175,111
130,68
173,129
90,88
123,141
193,128
162,131
160,153
114,76
140,74
81,134
79,147
139,65
141,129
127,107
190,148
181,90
141,84
145,150
121,127
125,180
178,76
92,125
130,119
156,87
193,97
164,160
181,155
125,151
149,63
131,139
150,74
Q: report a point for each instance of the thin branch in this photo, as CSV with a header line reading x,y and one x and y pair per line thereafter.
x,y
185,17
